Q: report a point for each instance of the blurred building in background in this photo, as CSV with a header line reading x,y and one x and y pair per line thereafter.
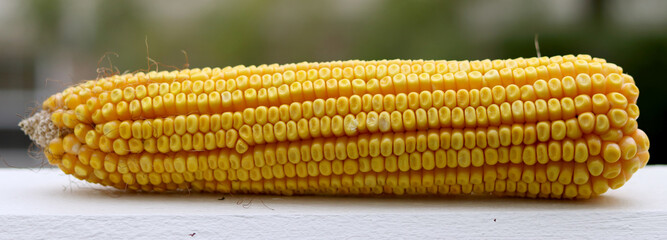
x,y
46,45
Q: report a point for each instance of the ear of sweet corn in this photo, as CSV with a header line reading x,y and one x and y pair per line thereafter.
x,y
550,127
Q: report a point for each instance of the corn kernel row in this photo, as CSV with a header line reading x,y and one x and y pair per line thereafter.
x,y
351,125
180,103
322,88
534,110
245,79
552,173
352,185
367,155
400,83
495,136
421,119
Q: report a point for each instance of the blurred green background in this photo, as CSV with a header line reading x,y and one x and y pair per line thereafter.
x,y
46,45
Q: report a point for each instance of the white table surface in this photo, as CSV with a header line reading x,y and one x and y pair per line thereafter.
x,y
47,204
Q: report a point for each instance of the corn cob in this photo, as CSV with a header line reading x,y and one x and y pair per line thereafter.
x,y
548,127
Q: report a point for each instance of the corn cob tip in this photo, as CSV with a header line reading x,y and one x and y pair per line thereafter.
x,y
41,129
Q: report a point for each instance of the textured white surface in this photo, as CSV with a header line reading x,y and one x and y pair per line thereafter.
x,y
46,204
